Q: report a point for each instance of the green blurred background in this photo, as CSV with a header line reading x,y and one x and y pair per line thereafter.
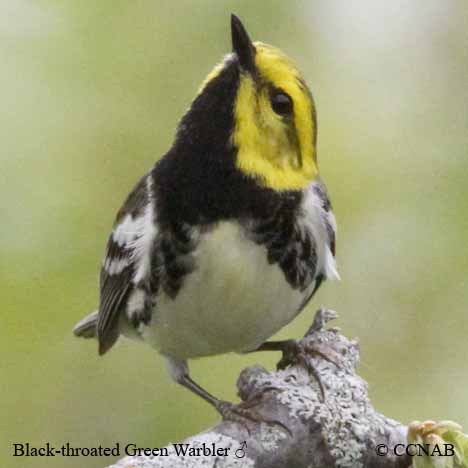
x,y
91,93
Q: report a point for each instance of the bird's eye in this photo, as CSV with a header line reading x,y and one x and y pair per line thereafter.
x,y
281,103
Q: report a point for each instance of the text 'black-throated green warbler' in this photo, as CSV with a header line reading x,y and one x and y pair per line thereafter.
x,y
230,234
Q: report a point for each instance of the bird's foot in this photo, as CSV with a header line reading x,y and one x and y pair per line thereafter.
x,y
299,353
245,413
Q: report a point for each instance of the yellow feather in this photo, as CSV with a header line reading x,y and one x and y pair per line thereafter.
x,y
261,136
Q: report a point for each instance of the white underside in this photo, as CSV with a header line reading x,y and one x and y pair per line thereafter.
x,y
233,301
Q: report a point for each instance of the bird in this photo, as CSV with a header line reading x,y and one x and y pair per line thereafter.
x,y
228,236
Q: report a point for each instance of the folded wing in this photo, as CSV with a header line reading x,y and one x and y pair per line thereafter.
x,y
125,289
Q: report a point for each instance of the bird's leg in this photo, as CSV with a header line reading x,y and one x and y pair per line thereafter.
x,y
295,352
229,411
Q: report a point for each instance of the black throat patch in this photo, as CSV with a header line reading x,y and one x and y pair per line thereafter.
x,y
197,185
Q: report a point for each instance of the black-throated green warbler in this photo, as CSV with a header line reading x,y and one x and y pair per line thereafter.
x,y
229,235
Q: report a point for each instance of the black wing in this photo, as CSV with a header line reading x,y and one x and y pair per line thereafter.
x,y
125,268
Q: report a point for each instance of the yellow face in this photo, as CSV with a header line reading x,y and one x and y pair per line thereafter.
x,y
275,126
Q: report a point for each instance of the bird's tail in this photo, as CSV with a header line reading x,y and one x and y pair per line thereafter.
x,y
86,327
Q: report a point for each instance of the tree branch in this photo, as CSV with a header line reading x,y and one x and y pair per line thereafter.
x,y
342,431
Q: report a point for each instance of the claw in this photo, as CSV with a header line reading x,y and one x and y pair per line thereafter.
x,y
294,352
244,412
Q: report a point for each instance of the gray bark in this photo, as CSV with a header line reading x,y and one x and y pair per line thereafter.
x,y
301,431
